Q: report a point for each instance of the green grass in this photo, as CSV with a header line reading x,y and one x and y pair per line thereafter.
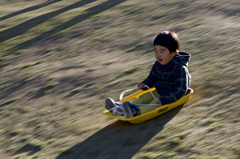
x,y
7,102
91,69
59,60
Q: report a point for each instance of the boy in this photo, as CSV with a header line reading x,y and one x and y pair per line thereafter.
x,y
169,75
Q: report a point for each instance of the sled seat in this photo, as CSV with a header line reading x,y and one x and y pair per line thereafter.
x,y
149,115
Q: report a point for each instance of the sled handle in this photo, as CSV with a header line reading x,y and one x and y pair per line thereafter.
x,y
121,96
151,92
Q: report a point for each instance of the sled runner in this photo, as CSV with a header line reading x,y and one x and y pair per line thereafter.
x,y
149,115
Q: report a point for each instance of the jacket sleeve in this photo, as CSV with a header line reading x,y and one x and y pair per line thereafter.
x,y
180,88
152,77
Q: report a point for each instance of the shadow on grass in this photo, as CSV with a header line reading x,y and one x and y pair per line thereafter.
x,y
89,12
14,87
119,139
25,26
18,84
29,9
20,29
31,149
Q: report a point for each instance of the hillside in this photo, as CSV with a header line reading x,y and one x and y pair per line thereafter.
x,y
60,60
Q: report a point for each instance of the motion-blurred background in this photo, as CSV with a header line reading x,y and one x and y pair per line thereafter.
x,y
60,59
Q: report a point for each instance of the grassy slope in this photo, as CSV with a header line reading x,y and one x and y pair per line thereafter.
x,y
60,59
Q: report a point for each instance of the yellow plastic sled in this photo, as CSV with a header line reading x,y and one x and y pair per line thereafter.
x,y
152,114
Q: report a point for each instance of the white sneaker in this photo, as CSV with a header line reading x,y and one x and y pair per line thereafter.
x,y
114,107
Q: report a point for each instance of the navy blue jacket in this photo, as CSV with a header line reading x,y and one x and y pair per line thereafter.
x,y
172,81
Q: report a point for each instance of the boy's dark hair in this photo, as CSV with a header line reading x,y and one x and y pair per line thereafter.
x,y
169,40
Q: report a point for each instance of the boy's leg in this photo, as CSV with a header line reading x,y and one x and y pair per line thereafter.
x,y
143,99
131,109
148,108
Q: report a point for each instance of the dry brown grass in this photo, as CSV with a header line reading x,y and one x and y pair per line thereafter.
x,y
60,59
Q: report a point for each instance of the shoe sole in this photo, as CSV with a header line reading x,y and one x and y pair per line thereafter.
x,y
127,110
120,111
109,103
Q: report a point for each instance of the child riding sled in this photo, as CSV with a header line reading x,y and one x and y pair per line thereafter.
x,y
169,75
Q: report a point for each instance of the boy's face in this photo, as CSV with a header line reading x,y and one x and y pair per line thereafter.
x,y
163,55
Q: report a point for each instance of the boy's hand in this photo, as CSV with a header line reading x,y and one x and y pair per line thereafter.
x,y
141,86
159,102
